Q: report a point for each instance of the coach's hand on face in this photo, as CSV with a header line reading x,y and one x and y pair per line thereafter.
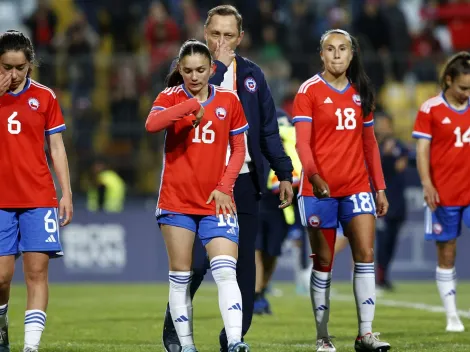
x,y
5,82
224,53
223,203
320,187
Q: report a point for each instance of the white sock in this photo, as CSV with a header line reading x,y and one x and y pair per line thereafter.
x,y
3,316
181,307
320,296
364,292
446,280
223,269
34,323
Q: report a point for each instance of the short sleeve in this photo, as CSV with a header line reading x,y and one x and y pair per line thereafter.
x,y
422,127
303,108
369,120
54,119
164,100
238,123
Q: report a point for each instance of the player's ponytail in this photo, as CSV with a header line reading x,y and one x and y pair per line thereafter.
x,y
455,66
12,40
359,79
189,47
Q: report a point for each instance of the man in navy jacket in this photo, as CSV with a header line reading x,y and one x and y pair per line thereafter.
x,y
223,33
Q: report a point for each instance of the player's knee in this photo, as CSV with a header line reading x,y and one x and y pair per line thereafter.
x,y
446,254
34,276
5,280
364,255
323,262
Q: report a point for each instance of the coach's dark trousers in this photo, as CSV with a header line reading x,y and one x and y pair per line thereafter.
x,y
247,202
387,239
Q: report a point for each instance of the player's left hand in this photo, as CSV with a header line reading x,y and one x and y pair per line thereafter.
x,y
5,82
286,194
223,202
65,211
382,204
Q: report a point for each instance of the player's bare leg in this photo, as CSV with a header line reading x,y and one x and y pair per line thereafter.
x,y
223,254
447,283
7,269
361,234
35,267
179,245
322,243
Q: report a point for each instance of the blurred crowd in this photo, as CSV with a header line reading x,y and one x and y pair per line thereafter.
x,y
107,60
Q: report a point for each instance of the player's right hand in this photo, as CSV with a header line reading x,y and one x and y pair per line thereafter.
x,y
199,116
431,196
5,82
320,187
65,211
223,203
224,53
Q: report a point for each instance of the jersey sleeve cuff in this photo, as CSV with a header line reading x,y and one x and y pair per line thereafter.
x,y
55,130
420,135
301,118
159,108
369,123
239,130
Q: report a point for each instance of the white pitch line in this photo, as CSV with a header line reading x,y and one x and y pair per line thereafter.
x,y
403,304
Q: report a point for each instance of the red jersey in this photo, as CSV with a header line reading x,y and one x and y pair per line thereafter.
x,y
336,140
195,158
449,132
25,119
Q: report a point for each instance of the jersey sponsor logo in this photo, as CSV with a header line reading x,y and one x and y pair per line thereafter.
x,y
314,221
33,103
446,121
221,113
328,101
437,228
251,85
356,99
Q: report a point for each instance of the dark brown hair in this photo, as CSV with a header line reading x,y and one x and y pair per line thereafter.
x,y
457,65
189,47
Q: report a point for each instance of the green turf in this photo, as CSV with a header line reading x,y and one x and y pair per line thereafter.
x,y
127,318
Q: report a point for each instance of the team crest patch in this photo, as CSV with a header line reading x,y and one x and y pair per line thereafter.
x,y
437,229
314,221
33,103
251,85
221,113
357,99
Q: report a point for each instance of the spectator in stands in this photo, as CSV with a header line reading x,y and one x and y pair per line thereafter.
x,y
374,36
400,40
43,27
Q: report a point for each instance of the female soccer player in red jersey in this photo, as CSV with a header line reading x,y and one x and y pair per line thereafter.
x,y
196,190
333,116
442,128
29,225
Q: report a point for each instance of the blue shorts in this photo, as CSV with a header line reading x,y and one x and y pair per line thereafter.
x,y
29,230
329,213
206,227
273,228
445,223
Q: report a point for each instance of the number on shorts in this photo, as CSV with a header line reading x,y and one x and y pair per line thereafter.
x,y
49,223
365,202
231,221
